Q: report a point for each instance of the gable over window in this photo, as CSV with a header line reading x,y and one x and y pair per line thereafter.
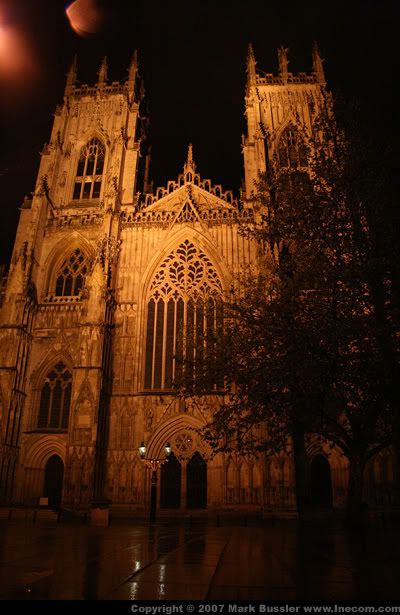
x,y
72,274
292,152
55,399
90,171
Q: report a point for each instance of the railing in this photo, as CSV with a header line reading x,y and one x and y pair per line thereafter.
x,y
269,78
92,90
66,221
212,216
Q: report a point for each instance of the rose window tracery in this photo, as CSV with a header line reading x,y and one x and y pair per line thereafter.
x,y
184,444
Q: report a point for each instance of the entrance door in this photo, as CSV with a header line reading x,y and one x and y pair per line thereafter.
x,y
53,480
196,482
170,496
320,483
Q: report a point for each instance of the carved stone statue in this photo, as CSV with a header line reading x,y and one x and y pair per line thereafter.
x,y
283,61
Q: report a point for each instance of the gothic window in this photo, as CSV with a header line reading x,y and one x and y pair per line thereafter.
x,y
292,152
55,399
90,171
184,310
71,277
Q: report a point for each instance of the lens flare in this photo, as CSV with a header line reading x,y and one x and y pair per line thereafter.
x,y
16,60
85,17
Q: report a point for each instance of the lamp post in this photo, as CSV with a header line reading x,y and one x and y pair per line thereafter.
x,y
153,464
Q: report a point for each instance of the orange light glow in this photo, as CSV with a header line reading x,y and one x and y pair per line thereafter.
x,y
16,62
85,17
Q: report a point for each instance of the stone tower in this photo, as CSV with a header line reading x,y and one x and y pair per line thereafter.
x,y
106,278
274,106
57,314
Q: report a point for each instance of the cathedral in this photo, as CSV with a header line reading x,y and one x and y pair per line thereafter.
x,y
106,278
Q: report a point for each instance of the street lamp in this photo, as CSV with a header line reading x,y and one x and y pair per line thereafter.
x,y
153,464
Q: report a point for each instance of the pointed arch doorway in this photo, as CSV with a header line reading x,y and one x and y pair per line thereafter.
x,y
182,480
171,478
196,482
53,480
184,486
320,483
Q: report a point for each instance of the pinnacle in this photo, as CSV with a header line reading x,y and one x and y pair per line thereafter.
x,y
189,165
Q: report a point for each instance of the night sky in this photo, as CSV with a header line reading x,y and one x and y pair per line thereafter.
x,y
193,61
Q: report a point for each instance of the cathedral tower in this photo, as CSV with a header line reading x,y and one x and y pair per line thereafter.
x,y
108,281
275,105
57,309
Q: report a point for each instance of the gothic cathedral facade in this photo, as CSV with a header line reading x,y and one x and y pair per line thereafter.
x,y
105,276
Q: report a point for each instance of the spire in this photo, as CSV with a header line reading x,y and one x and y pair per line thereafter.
x,y
132,74
189,158
102,74
251,67
283,63
190,165
318,67
133,66
71,75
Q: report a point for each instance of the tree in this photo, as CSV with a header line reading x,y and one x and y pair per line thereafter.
x,y
310,338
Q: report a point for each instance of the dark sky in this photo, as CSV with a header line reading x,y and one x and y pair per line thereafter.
x,y
192,56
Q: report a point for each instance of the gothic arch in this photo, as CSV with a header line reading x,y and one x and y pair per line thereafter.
x,y
89,134
381,466
37,455
315,445
244,479
173,241
89,170
101,135
47,362
125,427
85,393
59,253
169,429
300,145
38,378
288,122
184,245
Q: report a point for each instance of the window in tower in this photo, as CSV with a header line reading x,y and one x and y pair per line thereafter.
x,y
55,399
72,274
292,152
90,171
184,312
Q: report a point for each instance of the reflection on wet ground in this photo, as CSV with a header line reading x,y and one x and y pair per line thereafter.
x,y
171,561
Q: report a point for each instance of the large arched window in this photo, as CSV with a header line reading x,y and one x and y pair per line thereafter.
x,y
292,152
71,276
184,309
90,171
55,399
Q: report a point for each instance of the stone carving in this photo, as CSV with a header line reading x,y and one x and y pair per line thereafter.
x,y
187,270
283,61
63,179
149,419
108,249
184,444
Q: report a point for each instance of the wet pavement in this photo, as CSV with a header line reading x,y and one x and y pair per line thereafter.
x,y
133,561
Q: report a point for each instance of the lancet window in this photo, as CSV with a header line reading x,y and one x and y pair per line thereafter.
x,y
55,399
90,171
72,274
184,310
292,152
